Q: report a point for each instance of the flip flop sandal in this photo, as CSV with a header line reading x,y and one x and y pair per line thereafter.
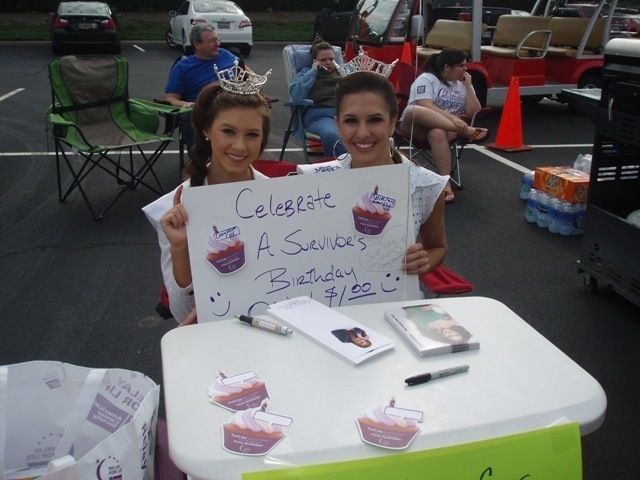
x,y
477,137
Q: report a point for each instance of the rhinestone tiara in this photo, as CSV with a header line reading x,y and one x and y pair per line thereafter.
x,y
364,63
240,81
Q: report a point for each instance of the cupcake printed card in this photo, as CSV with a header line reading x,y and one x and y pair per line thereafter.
x,y
372,212
225,250
254,431
337,237
238,392
389,426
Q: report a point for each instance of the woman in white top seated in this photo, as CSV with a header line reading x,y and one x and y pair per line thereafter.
x,y
437,100
231,131
366,114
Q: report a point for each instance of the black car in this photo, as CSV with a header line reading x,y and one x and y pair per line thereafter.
x,y
90,24
332,24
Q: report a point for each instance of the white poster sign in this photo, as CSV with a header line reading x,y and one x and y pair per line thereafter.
x,y
336,237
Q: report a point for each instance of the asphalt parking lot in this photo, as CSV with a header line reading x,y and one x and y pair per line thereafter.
x,y
84,292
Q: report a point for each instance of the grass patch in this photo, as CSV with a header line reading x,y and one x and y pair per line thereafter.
x,y
18,31
295,31
291,31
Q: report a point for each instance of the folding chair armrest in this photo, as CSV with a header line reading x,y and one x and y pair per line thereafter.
x,y
305,102
171,113
145,114
61,130
58,120
159,106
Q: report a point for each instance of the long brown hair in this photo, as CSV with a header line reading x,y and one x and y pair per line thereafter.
x,y
361,82
318,45
447,57
211,102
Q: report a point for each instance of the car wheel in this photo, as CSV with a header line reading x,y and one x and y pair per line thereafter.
x,y
532,99
168,37
590,80
185,45
245,50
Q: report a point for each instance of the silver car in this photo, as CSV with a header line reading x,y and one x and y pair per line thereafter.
x,y
231,23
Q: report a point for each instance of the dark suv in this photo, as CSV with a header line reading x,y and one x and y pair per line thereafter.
x,y
332,24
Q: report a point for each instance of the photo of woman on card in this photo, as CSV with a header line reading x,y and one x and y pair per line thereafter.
x,y
355,335
434,322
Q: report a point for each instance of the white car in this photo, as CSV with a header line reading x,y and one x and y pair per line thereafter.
x,y
233,26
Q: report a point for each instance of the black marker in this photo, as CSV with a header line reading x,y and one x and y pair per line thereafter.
x,y
425,377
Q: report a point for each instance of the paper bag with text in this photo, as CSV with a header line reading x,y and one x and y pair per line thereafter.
x,y
64,422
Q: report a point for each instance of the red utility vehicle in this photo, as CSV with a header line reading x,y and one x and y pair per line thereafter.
x,y
547,53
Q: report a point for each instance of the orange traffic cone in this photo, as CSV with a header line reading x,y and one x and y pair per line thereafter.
x,y
509,137
405,56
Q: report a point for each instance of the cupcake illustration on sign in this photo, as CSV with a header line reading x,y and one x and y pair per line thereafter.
x,y
253,431
225,250
371,213
389,427
238,392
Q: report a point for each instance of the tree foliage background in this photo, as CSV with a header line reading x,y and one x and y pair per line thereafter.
x,y
9,6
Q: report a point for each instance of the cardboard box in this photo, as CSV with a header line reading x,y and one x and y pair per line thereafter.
x,y
565,183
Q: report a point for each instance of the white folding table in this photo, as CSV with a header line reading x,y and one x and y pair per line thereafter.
x,y
518,381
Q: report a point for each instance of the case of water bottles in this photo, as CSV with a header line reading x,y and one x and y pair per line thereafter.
x,y
550,212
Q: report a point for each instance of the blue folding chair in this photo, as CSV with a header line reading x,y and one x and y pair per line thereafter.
x,y
296,57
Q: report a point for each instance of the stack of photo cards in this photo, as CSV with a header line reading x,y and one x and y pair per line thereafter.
x,y
430,329
331,329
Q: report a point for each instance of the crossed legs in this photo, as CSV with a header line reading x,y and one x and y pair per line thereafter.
x,y
439,131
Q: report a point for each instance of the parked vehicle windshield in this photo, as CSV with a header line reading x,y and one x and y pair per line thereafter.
x,y
83,8
213,6
372,21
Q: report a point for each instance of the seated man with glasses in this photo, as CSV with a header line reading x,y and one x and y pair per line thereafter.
x,y
192,73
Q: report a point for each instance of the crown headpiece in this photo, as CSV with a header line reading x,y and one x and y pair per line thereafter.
x,y
364,63
240,81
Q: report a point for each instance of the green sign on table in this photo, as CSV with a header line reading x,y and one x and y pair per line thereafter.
x,y
548,453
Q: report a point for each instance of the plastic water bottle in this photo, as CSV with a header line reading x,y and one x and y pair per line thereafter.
x,y
526,185
531,210
583,163
565,218
555,210
542,219
579,211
